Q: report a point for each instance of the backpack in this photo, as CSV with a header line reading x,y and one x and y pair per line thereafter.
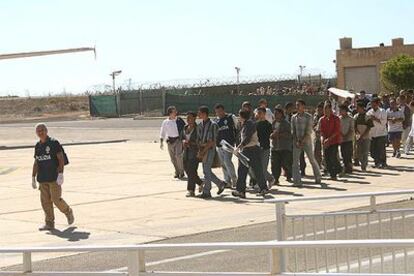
x,y
65,157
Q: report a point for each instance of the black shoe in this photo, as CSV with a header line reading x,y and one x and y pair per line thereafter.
x,y
263,192
221,188
227,185
238,194
205,195
176,175
190,194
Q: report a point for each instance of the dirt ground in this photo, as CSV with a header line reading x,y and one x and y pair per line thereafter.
x,y
39,108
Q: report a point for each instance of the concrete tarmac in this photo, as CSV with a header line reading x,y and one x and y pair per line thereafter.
x,y
125,193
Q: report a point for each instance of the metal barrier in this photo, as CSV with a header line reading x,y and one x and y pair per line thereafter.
x,y
136,255
339,225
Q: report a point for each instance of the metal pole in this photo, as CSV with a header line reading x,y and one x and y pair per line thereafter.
x,y
238,79
113,82
140,101
281,236
27,262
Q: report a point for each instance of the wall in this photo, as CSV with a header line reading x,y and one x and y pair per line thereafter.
x,y
348,57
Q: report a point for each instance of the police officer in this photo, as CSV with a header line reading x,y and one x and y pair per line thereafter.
x,y
48,171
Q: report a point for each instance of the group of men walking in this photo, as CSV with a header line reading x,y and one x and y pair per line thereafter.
x,y
337,137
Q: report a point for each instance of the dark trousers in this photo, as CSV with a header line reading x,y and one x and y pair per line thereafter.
x,y
332,162
253,153
191,167
281,159
346,153
378,151
302,163
318,151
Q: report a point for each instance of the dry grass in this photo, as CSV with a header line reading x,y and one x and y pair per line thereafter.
x,y
14,109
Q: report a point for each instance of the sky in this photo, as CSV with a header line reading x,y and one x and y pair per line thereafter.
x,y
159,40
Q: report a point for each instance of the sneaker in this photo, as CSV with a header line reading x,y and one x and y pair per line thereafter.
x,y
181,176
238,194
190,194
205,195
299,185
48,226
289,179
221,188
398,155
70,217
176,175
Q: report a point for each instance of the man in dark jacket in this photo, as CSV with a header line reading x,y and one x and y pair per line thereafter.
x,y
249,146
190,153
281,146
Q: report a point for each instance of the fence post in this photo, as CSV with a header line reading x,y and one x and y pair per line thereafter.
x,y
163,99
279,260
27,262
275,267
136,262
373,203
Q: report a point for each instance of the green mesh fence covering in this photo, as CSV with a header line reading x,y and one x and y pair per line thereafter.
x,y
233,103
103,106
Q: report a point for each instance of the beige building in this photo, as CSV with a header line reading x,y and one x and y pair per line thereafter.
x,y
359,68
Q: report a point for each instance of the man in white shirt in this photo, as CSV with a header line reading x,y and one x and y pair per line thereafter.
x,y
269,114
395,127
171,131
378,133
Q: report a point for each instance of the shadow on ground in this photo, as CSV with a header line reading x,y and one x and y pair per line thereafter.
x,y
70,234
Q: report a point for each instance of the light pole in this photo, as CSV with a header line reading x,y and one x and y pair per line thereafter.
x,y
238,79
113,75
301,67
117,96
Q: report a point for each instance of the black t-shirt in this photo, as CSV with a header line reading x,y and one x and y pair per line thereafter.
x,y
46,158
264,130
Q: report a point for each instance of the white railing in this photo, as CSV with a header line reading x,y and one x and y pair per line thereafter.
x,y
371,224
136,255
335,243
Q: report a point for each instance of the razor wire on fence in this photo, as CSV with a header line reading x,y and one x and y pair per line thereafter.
x,y
189,94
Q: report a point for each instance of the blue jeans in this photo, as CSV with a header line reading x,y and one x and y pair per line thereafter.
x,y
229,171
308,149
209,176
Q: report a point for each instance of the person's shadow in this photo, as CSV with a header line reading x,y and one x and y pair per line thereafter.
x,y
70,234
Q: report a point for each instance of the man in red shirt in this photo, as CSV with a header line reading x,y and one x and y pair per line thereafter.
x,y
330,129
